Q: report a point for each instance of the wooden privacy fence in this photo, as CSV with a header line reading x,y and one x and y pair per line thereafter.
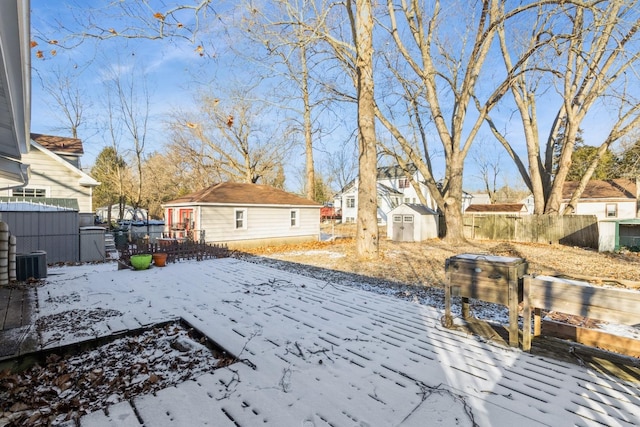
x,y
571,230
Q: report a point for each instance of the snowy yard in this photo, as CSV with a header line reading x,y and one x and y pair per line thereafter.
x,y
315,353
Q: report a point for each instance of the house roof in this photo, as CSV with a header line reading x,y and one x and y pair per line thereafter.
x,y
622,188
418,208
15,90
59,144
498,207
395,171
243,194
388,189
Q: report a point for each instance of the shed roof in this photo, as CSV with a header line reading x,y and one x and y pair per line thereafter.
x,y
418,208
59,144
496,207
243,194
622,188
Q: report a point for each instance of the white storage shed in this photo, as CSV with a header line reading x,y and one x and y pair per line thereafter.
x,y
412,223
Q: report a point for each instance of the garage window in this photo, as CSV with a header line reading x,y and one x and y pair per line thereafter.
x,y
612,210
241,219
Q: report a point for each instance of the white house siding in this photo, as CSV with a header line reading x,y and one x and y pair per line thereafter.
x,y
626,209
264,224
58,180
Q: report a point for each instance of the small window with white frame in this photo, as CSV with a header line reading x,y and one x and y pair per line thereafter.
x,y
612,210
29,192
351,202
240,219
294,215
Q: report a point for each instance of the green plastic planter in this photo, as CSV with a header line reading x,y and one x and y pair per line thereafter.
x,y
141,262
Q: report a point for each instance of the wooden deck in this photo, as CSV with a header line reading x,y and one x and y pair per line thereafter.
x,y
327,355
16,314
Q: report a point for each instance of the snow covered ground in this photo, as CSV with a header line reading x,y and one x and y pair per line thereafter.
x,y
317,353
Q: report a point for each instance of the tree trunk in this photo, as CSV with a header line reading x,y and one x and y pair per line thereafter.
x,y
452,208
367,230
308,136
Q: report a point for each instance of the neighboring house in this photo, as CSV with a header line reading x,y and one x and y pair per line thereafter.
x,y
394,188
606,199
15,91
243,215
55,174
518,209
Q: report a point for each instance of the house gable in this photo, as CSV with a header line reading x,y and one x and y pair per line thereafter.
x,y
53,177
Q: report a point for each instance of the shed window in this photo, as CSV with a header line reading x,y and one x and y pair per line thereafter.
x,y
351,202
612,210
29,192
241,219
294,217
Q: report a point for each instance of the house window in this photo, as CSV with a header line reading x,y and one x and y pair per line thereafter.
x,y
407,199
612,210
29,192
351,202
241,219
294,218
350,219
403,183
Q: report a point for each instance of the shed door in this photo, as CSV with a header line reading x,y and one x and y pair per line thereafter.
x,y
403,228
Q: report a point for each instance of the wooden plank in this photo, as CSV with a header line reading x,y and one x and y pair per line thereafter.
x,y
485,291
4,305
582,299
14,310
577,298
592,337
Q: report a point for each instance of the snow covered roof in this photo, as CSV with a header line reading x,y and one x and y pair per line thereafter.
x,y
37,204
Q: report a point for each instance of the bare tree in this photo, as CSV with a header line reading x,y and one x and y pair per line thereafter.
x,y
590,53
489,170
290,53
236,140
445,86
341,166
128,101
70,102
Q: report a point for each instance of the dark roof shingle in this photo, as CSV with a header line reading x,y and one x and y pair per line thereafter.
x,y
243,194
498,207
59,144
623,188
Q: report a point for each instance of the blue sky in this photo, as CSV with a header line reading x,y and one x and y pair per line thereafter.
x,y
175,71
